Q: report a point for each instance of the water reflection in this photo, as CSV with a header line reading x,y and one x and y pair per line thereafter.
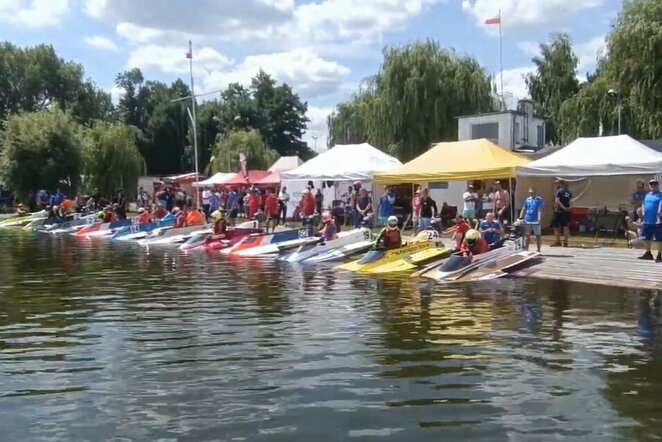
x,y
101,341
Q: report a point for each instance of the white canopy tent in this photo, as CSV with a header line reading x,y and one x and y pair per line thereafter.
x,y
216,179
600,172
286,163
335,169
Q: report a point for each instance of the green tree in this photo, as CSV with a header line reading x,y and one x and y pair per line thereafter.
x,y
35,78
553,81
41,150
414,100
634,65
111,159
250,143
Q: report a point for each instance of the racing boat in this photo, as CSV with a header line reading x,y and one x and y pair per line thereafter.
x,y
208,241
102,229
318,248
76,222
408,257
169,235
271,243
35,224
22,220
500,267
135,232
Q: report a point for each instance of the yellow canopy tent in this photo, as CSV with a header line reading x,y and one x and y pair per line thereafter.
x,y
455,161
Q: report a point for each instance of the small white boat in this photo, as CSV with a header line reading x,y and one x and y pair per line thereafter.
x,y
167,235
344,240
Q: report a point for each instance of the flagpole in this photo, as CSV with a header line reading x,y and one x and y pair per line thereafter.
x,y
195,128
503,96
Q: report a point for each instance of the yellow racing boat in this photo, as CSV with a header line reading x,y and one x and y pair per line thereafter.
x,y
409,257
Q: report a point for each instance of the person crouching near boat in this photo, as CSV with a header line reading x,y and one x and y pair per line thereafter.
x,y
390,237
159,211
180,217
143,217
329,231
20,210
458,230
473,244
220,226
490,229
651,221
531,214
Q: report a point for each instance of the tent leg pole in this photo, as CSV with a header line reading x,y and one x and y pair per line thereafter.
x,y
511,202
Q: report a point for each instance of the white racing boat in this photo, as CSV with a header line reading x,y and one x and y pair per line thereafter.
x,y
356,239
167,235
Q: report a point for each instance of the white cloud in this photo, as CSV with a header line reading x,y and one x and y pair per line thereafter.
x,y
100,42
588,52
172,59
531,48
307,73
33,13
317,127
517,13
94,8
513,82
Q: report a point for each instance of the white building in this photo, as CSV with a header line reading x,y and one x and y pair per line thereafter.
x,y
512,129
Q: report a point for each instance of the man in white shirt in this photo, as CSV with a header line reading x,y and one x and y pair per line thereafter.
x,y
206,194
283,199
469,197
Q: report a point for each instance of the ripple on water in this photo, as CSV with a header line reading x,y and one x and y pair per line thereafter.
x,y
102,341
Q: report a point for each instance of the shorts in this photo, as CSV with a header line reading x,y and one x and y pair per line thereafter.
x,y
532,229
424,223
651,232
469,214
561,219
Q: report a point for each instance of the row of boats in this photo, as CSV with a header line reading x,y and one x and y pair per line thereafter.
x,y
424,255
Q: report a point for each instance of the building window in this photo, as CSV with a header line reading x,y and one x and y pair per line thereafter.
x,y
517,137
541,135
486,130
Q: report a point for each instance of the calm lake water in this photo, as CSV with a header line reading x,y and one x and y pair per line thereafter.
x,y
102,341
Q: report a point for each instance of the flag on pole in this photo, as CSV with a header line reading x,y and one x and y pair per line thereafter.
x,y
242,165
494,20
189,55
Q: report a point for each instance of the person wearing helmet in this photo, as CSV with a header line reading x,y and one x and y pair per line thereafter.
x,y
143,217
220,226
180,217
101,215
108,215
20,210
160,211
473,244
390,237
329,231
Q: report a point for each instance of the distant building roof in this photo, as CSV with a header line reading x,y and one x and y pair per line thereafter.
x,y
511,112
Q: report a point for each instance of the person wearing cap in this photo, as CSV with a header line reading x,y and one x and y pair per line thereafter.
x,y
531,214
651,221
416,208
469,197
637,198
561,218
143,217
501,202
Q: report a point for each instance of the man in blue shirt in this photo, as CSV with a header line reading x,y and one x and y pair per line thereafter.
x,y
386,202
490,230
651,221
232,205
637,199
531,214
561,218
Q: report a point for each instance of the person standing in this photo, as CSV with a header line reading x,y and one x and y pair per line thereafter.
x,y
348,212
283,201
637,198
307,204
232,205
428,210
651,224
271,210
363,207
206,195
319,201
531,214
416,209
501,203
561,218
469,197
121,205
385,205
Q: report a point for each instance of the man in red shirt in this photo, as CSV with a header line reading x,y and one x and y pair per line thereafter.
x,y
271,209
307,204
253,202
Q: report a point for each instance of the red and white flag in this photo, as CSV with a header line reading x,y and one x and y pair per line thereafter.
x,y
494,20
242,165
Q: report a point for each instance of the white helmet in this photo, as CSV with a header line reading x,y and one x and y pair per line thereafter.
x,y
392,222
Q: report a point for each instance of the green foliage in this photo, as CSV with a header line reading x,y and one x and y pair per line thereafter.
x,y
41,150
35,78
111,159
248,142
553,81
413,100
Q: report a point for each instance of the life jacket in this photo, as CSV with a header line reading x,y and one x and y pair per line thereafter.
x,y
144,219
160,213
195,218
479,247
180,220
392,239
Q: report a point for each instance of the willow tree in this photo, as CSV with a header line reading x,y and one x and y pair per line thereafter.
x,y
414,100
634,65
111,159
553,81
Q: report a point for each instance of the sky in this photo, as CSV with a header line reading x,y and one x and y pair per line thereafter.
x,y
322,48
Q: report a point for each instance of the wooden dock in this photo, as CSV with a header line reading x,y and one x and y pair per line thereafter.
x,y
616,267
